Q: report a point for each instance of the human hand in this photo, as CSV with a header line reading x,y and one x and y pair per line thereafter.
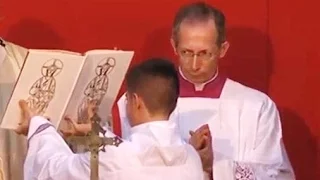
x,y
25,116
201,140
26,113
80,129
206,155
198,138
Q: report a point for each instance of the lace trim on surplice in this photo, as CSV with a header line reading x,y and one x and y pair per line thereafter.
x,y
243,172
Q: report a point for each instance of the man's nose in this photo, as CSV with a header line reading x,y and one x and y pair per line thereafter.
x,y
196,63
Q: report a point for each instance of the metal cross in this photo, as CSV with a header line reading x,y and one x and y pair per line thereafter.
x,y
95,143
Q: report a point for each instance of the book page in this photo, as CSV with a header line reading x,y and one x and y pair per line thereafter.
x,y
57,51
100,80
46,82
101,51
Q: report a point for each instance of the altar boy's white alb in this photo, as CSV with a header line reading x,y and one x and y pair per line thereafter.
x,y
154,150
49,157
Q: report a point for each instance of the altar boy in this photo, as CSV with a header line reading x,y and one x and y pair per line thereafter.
x,y
154,149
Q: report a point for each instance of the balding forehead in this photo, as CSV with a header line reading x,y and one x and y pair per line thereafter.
x,y
196,20
197,35
196,24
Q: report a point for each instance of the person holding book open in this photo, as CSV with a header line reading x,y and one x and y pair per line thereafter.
x,y
12,146
154,150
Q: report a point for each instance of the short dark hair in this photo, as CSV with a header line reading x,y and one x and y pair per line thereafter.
x,y
156,82
200,11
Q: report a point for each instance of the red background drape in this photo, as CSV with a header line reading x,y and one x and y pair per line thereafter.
x,y
273,48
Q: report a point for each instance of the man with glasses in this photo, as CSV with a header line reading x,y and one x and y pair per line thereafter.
x,y
246,140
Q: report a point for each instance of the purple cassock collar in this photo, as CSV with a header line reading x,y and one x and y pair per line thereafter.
x,y
209,89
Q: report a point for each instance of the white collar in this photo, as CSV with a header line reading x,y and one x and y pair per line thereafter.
x,y
199,86
141,127
160,133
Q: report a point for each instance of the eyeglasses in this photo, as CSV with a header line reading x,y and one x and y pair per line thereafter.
x,y
202,55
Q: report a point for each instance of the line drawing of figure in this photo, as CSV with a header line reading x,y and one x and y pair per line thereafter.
x,y
96,88
43,90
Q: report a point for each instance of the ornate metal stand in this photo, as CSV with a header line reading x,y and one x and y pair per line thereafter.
x,y
95,143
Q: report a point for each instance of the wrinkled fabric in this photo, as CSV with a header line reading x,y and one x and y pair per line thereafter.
x,y
245,127
154,151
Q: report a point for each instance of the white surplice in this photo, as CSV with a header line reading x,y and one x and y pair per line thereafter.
x,y
153,151
245,126
12,147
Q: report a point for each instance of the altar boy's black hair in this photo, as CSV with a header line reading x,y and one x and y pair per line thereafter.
x,y
156,81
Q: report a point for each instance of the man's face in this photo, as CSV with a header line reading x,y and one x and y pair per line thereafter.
x,y
198,50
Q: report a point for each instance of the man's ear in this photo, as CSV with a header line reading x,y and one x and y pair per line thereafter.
x,y
136,100
174,45
224,48
127,96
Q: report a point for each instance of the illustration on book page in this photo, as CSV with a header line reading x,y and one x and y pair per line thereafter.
x,y
43,90
96,88
46,82
100,80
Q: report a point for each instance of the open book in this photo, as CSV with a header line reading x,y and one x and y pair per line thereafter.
x,y
59,83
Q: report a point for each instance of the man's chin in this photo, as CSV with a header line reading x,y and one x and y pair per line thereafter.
x,y
197,79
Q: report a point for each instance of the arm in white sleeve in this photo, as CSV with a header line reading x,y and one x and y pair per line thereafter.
x,y
270,161
49,157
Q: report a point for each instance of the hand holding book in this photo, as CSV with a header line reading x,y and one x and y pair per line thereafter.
x,y
79,129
